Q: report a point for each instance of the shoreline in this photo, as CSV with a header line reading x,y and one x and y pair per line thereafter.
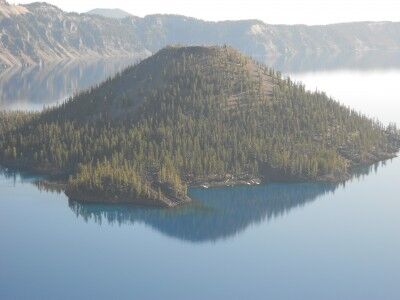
x,y
57,182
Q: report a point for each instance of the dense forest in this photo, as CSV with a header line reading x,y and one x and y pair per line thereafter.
x,y
190,115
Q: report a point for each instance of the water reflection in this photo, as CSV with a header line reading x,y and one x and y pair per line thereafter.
x,y
16,177
215,214
37,86
218,213
361,61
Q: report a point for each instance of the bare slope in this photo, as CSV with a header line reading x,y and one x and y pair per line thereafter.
x,y
110,13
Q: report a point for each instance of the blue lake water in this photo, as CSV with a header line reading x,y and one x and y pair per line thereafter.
x,y
276,241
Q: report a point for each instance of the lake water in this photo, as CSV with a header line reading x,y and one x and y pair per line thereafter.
x,y
278,241
35,87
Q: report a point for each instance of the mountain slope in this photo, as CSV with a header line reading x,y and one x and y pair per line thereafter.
x,y
110,13
40,32
192,116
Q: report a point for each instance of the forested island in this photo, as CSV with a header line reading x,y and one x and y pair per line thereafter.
x,y
191,116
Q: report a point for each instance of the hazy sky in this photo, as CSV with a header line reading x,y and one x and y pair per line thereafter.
x,y
270,11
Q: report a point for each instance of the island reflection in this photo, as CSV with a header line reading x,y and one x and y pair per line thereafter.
x,y
215,214
218,213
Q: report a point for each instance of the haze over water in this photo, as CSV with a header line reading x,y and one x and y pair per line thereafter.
x,y
277,241
374,93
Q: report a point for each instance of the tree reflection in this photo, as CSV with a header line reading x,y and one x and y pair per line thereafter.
x,y
218,213
215,214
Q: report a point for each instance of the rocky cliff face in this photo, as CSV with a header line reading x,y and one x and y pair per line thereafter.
x,y
40,32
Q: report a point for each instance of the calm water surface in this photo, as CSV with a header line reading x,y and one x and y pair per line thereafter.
x,y
33,88
278,241
373,92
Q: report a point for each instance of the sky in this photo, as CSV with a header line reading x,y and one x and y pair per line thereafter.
x,y
309,12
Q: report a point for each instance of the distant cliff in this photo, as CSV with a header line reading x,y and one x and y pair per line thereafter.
x,y
110,13
41,32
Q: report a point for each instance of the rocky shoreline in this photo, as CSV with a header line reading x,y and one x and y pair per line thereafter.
x,y
57,182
